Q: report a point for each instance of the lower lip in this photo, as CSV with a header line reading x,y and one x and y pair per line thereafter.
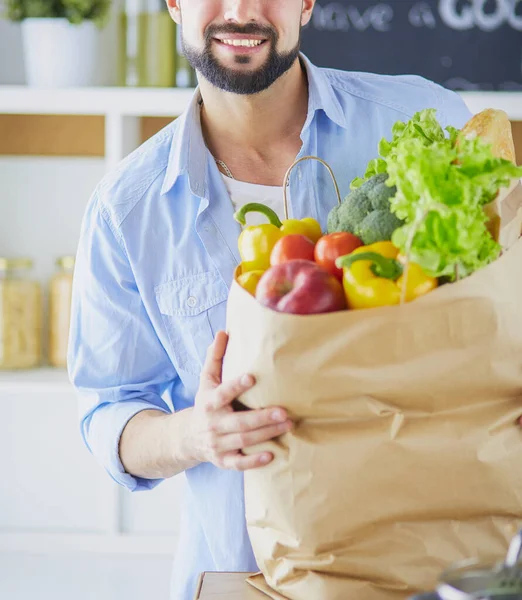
x,y
241,49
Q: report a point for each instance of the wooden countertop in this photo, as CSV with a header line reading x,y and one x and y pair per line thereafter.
x,y
226,586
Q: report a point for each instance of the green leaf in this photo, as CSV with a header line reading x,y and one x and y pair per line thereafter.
x,y
442,188
375,166
423,126
76,11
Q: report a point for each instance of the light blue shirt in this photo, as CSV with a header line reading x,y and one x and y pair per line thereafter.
x,y
156,256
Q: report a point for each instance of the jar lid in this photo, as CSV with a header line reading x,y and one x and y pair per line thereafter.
x,y
489,580
10,264
66,262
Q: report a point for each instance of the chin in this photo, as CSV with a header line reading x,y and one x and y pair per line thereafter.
x,y
243,62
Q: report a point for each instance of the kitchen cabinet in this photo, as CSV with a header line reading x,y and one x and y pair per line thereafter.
x,y
55,497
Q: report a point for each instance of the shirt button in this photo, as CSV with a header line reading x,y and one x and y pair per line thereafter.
x,y
191,301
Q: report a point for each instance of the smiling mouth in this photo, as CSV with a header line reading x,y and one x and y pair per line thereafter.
x,y
245,43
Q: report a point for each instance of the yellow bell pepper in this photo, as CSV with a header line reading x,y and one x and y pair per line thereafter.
x,y
257,241
249,281
373,276
307,226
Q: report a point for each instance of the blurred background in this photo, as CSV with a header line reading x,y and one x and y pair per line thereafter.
x,y
83,83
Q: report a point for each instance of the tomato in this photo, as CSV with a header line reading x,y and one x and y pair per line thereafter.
x,y
291,247
333,245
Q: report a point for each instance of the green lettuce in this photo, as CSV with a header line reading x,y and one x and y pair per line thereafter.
x,y
442,187
423,126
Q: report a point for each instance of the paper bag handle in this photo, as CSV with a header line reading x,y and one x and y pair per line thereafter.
x,y
287,175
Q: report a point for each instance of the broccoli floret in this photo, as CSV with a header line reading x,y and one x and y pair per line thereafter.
x,y
374,181
380,194
378,226
351,212
366,213
332,224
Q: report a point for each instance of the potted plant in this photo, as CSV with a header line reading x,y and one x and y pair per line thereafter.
x,y
60,39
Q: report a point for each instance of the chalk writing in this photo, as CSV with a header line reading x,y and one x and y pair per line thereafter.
x,y
421,15
338,17
473,13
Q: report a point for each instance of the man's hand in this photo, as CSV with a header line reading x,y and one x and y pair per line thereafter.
x,y
217,433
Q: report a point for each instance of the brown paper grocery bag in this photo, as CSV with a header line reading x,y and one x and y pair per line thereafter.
x,y
406,455
511,211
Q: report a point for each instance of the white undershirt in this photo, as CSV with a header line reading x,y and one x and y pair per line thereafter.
x,y
242,193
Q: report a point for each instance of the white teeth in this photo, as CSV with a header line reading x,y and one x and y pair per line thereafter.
x,y
248,43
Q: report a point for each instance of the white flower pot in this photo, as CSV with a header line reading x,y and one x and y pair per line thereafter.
x,y
59,54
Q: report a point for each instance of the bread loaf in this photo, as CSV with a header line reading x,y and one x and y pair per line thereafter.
x,y
493,126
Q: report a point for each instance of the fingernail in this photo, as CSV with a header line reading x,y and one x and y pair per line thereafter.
x,y
247,380
264,458
278,415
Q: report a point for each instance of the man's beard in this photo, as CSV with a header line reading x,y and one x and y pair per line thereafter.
x,y
241,82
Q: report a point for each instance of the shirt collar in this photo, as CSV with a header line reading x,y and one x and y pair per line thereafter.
x,y
188,153
321,94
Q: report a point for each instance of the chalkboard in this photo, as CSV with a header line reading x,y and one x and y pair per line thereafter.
x,y
461,44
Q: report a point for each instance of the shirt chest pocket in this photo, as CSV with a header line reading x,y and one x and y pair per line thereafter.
x,y
193,309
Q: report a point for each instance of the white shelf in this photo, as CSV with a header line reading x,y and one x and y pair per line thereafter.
x,y
510,102
132,102
165,102
34,381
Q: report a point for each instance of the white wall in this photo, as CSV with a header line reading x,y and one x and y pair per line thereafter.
x,y
42,201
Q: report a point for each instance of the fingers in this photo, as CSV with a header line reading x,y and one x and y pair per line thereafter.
x,y
212,368
238,441
247,421
240,462
229,391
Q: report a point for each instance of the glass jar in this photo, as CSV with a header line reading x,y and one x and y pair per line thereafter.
x,y
60,293
20,315
147,44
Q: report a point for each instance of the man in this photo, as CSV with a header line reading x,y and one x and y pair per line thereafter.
x,y
159,246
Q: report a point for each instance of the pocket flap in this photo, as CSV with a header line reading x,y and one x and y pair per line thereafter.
x,y
190,296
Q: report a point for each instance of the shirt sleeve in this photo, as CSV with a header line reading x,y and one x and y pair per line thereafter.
x,y
116,362
453,109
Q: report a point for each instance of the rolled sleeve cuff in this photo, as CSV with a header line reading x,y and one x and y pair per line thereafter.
x,y
101,432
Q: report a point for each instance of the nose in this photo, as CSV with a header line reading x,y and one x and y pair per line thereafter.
x,y
241,11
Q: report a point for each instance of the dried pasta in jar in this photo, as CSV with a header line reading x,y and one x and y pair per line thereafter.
x,y
20,316
60,293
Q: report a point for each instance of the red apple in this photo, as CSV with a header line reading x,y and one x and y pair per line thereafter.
x,y
300,287
333,245
292,247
